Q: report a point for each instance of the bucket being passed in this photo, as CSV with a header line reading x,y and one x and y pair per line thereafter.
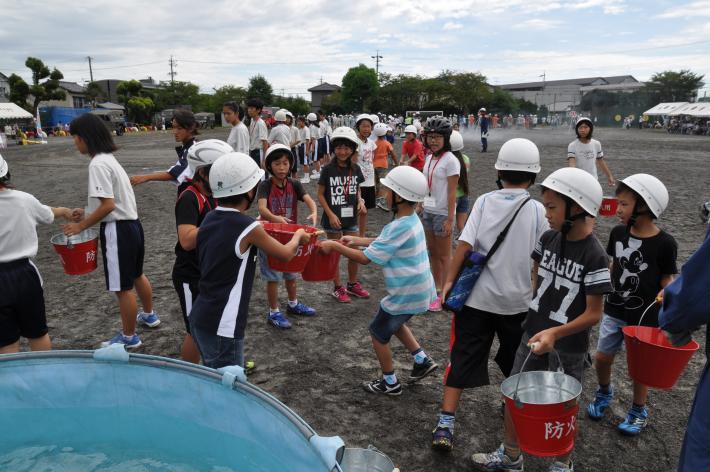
x,y
652,359
78,253
321,267
543,406
283,232
365,460
609,206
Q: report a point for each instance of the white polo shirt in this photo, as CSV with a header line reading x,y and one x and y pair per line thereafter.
x,y
20,214
107,179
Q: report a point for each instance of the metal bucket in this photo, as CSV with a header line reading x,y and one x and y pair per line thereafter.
x,y
365,460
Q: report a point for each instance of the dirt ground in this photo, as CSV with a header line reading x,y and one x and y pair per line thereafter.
x,y
317,367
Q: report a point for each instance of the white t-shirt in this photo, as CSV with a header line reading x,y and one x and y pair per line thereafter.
x,y
280,134
20,213
239,138
295,136
444,167
504,286
586,154
257,133
107,179
365,159
305,134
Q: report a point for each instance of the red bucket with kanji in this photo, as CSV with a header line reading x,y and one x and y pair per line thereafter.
x,y
543,406
321,267
608,206
283,232
78,253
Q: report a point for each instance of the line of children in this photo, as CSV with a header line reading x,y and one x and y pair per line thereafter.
x,y
401,251
113,204
643,263
383,152
278,199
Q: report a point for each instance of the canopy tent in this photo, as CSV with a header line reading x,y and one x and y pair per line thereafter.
x,y
698,110
664,108
10,111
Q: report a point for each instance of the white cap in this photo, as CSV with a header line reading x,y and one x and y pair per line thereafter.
x,y
234,174
578,185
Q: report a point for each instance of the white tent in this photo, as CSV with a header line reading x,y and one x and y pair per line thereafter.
x,y
664,108
699,110
10,111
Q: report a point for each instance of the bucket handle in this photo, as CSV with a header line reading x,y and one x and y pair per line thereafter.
x,y
560,370
658,300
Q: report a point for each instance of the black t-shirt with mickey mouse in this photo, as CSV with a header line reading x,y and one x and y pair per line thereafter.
x,y
563,284
639,264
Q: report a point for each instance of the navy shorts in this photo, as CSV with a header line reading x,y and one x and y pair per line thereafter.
x,y
369,195
294,167
302,155
188,291
322,147
22,302
384,325
123,250
256,155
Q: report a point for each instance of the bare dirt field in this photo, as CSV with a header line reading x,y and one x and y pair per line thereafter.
x,y
317,367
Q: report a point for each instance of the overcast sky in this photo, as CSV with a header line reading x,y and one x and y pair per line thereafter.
x,y
296,43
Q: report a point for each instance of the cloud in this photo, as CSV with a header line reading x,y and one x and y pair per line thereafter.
x,y
691,10
450,26
537,24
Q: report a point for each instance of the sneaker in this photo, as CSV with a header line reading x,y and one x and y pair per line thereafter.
x,y
300,309
435,305
315,175
249,367
279,320
341,294
381,386
382,204
497,461
150,320
561,467
129,342
442,439
357,290
635,422
419,371
597,408
306,180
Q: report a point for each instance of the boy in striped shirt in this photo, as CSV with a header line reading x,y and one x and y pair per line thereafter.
x,y
401,251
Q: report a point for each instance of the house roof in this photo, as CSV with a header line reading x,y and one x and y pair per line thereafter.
x,y
3,76
110,106
585,81
324,87
72,87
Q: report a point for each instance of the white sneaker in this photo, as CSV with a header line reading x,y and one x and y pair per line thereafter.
x,y
306,180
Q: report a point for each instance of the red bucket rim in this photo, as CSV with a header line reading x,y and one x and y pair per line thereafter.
x,y
692,345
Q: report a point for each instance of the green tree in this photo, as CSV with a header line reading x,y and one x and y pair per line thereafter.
x,y
502,101
227,93
259,87
129,89
40,90
19,91
462,92
359,84
400,93
140,109
177,94
297,105
333,103
670,86
95,93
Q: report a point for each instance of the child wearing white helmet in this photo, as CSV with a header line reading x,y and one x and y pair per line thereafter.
x,y
314,130
586,153
401,251
570,279
239,134
366,159
278,199
412,149
486,312
643,263
191,208
22,310
339,196
227,245
280,132
383,153
304,145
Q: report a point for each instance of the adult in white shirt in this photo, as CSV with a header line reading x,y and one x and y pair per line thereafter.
x,y
239,134
586,153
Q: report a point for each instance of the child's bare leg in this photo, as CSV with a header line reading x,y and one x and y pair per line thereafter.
x,y
189,351
272,294
43,343
336,280
451,399
384,355
145,292
404,334
640,393
362,224
11,348
603,363
290,289
129,309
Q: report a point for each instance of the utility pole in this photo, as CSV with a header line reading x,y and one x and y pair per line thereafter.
x,y
173,65
543,88
377,58
91,72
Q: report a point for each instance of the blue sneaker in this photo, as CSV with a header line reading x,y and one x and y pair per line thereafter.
x,y
635,422
561,467
497,461
598,407
279,320
129,342
301,309
150,320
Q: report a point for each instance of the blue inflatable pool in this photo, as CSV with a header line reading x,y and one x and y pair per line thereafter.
x,y
106,410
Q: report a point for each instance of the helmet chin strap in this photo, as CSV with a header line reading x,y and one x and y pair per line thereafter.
x,y
634,216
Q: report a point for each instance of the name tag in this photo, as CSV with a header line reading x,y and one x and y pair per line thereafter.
x,y
347,212
429,202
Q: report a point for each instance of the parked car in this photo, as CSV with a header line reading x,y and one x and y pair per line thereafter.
x,y
114,120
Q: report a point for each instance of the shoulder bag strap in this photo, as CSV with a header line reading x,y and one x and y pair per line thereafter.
x,y
501,236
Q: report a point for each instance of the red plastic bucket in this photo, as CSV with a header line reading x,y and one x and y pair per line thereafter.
x,y
321,267
652,360
609,206
283,232
543,406
78,253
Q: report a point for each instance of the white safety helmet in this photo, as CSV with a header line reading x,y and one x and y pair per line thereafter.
x,y
234,174
518,154
289,114
380,129
407,182
652,190
482,109
3,167
410,129
280,115
347,133
272,149
312,117
374,118
578,185
456,141
363,116
204,153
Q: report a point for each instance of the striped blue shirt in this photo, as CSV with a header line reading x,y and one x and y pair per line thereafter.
x,y
401,251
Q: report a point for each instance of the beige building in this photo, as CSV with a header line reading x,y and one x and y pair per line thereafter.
x,y
75,97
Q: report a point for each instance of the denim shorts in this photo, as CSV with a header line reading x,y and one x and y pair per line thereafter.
x,y
384,325
611,338
270,275
217,351
462,204
433,223
573,363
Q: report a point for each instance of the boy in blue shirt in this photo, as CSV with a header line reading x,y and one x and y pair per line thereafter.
x,y
401,250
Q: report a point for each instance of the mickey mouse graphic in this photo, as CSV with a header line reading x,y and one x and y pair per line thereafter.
x,y
632,264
